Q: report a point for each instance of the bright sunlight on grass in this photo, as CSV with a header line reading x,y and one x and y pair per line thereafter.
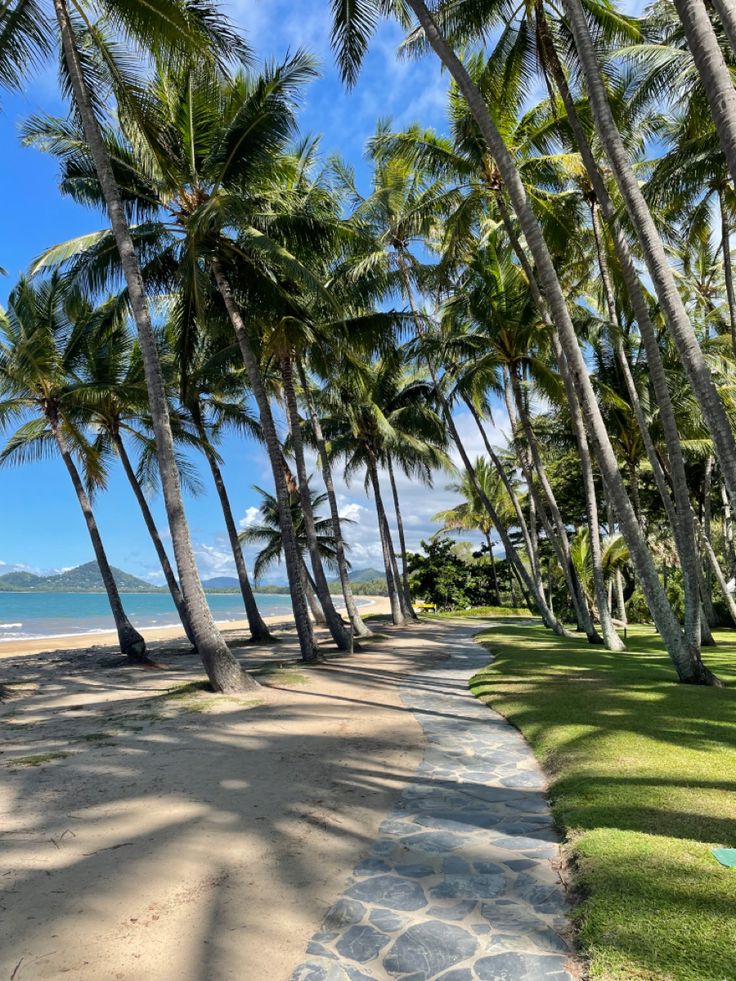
x,y
643,783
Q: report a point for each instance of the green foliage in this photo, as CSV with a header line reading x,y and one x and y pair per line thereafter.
x,y
443,577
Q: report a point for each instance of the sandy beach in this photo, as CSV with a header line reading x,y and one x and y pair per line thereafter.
x,y
155,636
153,830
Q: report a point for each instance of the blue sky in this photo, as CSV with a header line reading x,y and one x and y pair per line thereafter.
x,y
41,527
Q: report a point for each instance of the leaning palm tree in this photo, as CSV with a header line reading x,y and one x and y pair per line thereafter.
x,y
214,225
38,351
211,399
354,24
109,388
98,70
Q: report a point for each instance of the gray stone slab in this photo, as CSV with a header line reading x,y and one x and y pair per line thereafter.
x,y
428,948
361,943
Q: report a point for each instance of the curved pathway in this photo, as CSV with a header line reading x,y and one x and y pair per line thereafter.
x,y
460,884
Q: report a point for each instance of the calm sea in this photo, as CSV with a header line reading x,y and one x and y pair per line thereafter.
x,y
24,616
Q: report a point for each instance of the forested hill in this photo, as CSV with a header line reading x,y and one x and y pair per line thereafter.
x,y
84,579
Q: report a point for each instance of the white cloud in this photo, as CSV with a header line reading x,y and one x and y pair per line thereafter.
x,y
250,518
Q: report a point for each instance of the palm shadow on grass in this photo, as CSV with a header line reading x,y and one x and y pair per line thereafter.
x,y
643,781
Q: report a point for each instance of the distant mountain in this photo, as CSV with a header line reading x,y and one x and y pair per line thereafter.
x,y
366,575
221,582
84,579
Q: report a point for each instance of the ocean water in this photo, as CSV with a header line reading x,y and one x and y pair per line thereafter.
x,y
27,616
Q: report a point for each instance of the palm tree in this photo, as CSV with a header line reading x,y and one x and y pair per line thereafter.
x,y
351,34
37,358
95,68
108,382
375,410
210,195
211,399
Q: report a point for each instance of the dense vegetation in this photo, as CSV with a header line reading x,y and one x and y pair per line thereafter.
x,y
641,782
568,259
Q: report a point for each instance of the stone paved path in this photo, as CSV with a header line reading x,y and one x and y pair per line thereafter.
x,y
460,884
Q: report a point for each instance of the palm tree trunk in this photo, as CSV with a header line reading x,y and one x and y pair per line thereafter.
x,y
707,527
318,614
163,558
512,556
652,248
408,608
223,671
530,584
494,573
720,578
713,70
258,629
728,268
132,645
687,662
610,638
359,627
501,471
222,668
397,614
618,578
555,528
727,15
678,511
728,536
340,635
291,551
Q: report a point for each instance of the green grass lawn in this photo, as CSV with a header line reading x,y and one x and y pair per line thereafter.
x,y
643,783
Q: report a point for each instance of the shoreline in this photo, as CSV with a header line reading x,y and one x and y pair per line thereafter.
x,y
109,638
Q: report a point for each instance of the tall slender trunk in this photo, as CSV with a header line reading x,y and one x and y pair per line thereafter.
x,y
163,558
707,522
359,627
653,252
340,634
132,645
224,672
291,549
728,536
529,582
408,608
618,579
258,629
728,267
318,614
713,70
720,578
686,661
554,527
727,15
501,471
677,510
397,614
610,638
512,556
494,573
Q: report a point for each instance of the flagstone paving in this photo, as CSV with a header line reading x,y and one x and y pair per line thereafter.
x,y
460,884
